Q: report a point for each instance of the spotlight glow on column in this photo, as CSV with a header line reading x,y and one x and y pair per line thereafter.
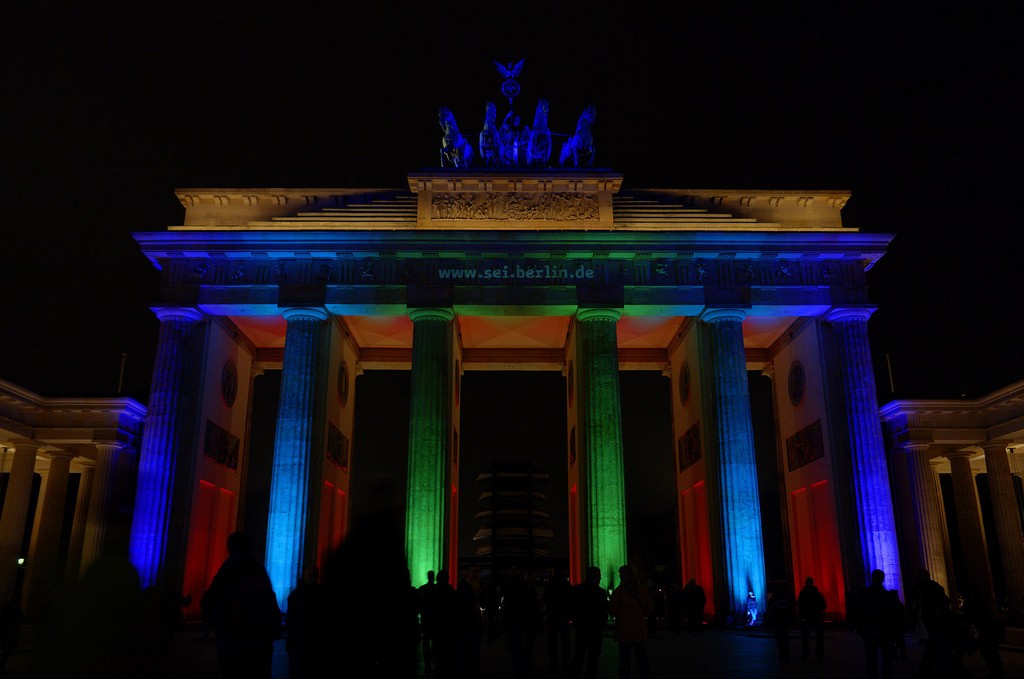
x,y
601,435
873,510
428,441
737,468
161,443
293,450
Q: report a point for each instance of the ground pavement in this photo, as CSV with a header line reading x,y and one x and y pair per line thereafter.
x,y
714,653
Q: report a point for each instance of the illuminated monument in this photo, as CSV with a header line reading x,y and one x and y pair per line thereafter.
x,y
494,260
543,270
275,300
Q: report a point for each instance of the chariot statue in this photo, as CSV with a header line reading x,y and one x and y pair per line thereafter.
x,y
579,148
456,151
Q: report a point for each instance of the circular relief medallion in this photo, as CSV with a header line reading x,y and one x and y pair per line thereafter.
x,y
343,383
229,383
797,383
684,383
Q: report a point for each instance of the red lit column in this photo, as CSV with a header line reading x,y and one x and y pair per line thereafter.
x,y
42,563
15,513
1007,520
972,533
926,508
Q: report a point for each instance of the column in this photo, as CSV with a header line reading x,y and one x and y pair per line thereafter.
x,y
42,563
293,450
872,498
743,549
926,509
77,542
428,440
162,442
101,504
15,513
1007,520
972,533
600,423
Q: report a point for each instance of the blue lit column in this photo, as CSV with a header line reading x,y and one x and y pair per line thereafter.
x,y
15,513
162,442
600,418
736,466
873,508
428,440
293,451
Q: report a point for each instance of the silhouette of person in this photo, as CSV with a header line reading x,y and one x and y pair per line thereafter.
x,y
425,596
556,603
694,600
102,627
449,627
630,605
302,616
811,606
779,617
368,627
878,620
588,609
519,615
936,625
991,631
471,623
242,607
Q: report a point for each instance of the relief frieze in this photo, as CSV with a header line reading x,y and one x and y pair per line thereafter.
x,y
514,206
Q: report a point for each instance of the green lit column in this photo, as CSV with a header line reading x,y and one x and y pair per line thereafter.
x,y
742,546
600,418
429,412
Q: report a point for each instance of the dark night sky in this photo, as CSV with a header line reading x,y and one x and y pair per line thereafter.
x,y
106,111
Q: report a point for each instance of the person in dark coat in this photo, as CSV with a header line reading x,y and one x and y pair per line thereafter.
x,y
588,610
556,604
630,606
694,601
242,607
811,606
879,622
302,614
520,620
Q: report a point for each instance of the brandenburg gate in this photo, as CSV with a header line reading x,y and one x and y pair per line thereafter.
x,y
477,269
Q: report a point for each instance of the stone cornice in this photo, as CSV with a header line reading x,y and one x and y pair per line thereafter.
x,y
69,419
999,415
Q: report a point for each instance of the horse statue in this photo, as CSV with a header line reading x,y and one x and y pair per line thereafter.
x,y
580,146
490,139
456,151
539,151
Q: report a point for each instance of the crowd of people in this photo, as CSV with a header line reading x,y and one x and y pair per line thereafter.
x,y
362,613
379,631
